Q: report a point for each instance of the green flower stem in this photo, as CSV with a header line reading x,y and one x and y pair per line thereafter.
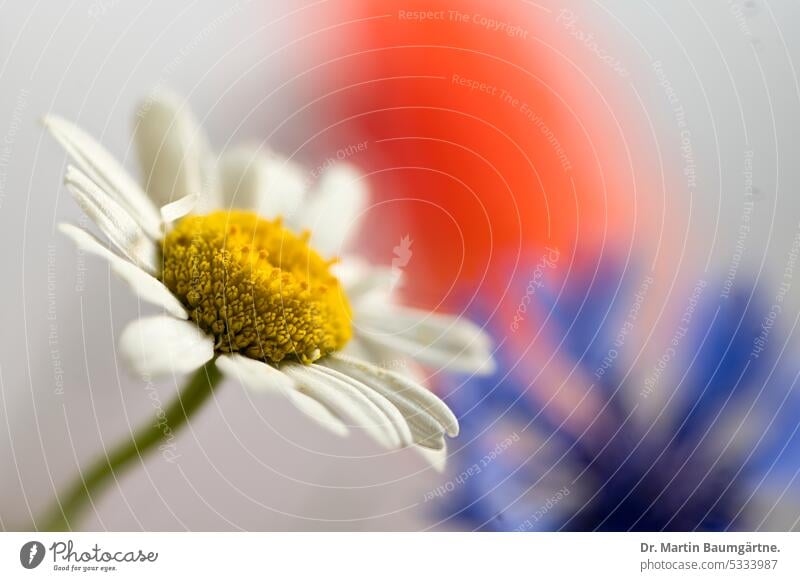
x,y
91,481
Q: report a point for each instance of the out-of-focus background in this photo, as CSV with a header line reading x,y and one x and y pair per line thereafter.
x,y
610,188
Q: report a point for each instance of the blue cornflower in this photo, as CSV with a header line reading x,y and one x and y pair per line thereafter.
x,y
719,450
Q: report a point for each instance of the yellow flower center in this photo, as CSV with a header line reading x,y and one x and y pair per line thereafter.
x,y
259,289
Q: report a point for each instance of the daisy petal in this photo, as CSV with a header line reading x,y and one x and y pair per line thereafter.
x,y
173,152
243,177
272,186
260,376
165,345
431,441
424,325
362,280
343,400
437,457
145,286
105,171
112,219
393,415
179,208
256,375
454,343
423,410
426,433
452,360
286,189
424,428
319,413
333,213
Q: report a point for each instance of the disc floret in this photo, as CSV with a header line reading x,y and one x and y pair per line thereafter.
x,y
257,287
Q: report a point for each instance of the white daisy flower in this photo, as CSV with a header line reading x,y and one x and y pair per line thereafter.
x,y
253,288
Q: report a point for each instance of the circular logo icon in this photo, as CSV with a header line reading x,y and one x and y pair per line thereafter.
x,y
31,554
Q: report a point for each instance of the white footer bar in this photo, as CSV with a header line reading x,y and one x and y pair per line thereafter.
x,y
402,556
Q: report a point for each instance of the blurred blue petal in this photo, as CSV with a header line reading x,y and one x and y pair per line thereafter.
x,y
700,467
